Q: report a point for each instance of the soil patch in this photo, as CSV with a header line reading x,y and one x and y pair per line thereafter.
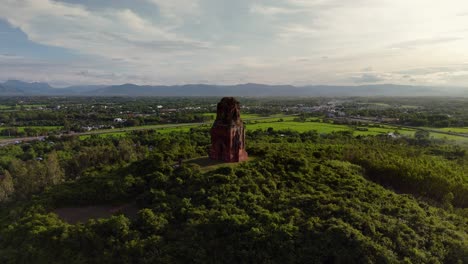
x,y
74,215
207,164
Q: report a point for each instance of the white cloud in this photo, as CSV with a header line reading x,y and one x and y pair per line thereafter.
x,y
293,32
271,10
416,43
175,13
278,41
173,8
108,33
369,78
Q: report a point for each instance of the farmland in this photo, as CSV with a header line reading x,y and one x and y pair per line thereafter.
x,y
284,123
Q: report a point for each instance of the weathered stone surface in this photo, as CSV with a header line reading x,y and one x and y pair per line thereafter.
x,y
227,133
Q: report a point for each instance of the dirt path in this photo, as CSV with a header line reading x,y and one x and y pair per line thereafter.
x,y
74,215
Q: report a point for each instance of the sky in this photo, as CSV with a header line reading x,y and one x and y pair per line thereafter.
x,y
299,42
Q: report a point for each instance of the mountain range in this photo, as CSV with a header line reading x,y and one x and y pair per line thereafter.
x,y
20,88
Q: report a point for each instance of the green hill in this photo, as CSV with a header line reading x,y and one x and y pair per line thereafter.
x,y
305,198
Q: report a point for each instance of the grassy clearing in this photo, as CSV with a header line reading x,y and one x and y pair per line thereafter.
x,y
287,123
243,116
246,116
268,119
373,131
298,126
3,107
379,105
463,130
410,106
146,127
457,139
22,128
48,128
110,134
31,105
167,128
163,129
322,128
326,128
173,129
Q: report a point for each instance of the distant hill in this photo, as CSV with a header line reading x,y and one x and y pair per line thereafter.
x,y
81,88
253,89
379,90
9,90
29,88
198,90
17,88
249,89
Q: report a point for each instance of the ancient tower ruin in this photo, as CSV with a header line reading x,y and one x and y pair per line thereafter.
x,y
227,133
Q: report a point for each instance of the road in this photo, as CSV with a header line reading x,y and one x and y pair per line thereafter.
x,y
10,141
409,127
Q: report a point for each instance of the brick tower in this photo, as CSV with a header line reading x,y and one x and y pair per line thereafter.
x,y
227,133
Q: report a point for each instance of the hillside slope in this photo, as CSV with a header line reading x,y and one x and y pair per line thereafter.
x,y
301,200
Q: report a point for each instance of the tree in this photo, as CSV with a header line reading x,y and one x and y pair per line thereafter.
x,y
54,174
66,125
422,135
149,223
6,186
127,150
24,181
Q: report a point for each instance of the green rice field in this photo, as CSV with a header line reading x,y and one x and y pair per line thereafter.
x,y
249,116
279,122
463,130
3,107
287,124
49,128
298,126
27,106
326,128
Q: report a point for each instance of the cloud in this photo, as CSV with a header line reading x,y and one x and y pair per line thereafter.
x,y
456,74
432,70
295,31
177,7
65,74
106,33
272,41
175,12
423,42
368,78
272,10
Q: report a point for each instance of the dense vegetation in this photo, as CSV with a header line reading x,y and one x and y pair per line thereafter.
x,y
304,198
